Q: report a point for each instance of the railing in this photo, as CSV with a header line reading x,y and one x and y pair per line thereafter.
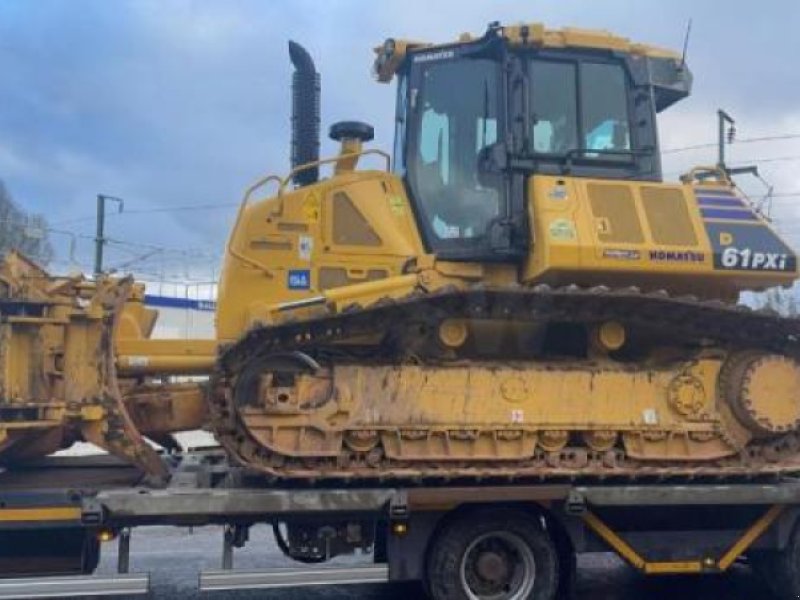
x,y
245,200
335,159
282,183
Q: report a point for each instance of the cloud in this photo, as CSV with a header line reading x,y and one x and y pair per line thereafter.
x,y
186,102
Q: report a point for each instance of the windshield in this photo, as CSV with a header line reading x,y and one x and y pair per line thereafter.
x,y
579,107
455,108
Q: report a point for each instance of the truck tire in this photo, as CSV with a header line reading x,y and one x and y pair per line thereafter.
x,y
497,554
780,569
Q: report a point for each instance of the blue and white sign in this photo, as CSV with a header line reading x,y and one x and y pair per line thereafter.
x,y
185,303
299,279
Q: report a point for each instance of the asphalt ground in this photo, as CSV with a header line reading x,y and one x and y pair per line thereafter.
x,y
174,557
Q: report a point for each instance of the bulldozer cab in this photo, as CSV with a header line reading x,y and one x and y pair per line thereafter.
x,y
476,119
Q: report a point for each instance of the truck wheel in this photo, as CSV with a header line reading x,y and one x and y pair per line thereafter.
x,y
493,555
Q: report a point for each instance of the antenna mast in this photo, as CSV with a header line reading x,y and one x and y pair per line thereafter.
x,y
686,42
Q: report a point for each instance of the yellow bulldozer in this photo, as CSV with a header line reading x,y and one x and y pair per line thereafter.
x,y
514,293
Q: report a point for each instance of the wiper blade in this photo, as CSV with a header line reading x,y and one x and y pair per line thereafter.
x,y
572,153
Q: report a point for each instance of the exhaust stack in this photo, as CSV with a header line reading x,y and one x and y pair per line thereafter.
x,y
305,114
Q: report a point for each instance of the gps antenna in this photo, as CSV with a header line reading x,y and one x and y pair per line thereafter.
x,y
686,42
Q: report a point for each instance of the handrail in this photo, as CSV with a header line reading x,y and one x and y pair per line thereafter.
x,y
245,200
697,174
283,182
335,159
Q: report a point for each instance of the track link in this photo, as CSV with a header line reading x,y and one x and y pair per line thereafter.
x,y
702,322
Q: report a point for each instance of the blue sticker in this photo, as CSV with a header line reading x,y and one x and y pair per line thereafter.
x,y
299,279
732,215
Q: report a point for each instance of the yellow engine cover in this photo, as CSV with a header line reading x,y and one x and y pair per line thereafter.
x,y
354,228
705,239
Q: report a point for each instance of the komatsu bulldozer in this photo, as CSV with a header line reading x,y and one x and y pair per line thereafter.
x,y
514,293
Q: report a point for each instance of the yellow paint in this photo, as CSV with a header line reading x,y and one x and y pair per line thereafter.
x,y
136,356
611,335
391,54
13,515
92,413
621,547
453,332
367,248
247,296
58,376
618,243
770,389
505,409
750,536
311,207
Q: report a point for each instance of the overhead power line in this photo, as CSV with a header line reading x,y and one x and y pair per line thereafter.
x,y
768,138
166,209
768,160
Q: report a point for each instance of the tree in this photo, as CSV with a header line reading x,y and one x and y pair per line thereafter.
x,y
23,231
784,301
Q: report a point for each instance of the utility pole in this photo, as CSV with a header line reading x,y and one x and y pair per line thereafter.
x,y
100,239
724,118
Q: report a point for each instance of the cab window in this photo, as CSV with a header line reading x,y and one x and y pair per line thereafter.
x,y
455,120
578,107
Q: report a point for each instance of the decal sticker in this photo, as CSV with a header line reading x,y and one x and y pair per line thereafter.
x,y
451,232
689,256
397,205
741,247
429,56
621,254
729,214
305,246
311,208
298,279
563,229
517,415
650,416
559,192
720,202
746,259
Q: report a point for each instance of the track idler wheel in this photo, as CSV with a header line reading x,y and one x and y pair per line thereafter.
x,y
274,397
290,383
763,391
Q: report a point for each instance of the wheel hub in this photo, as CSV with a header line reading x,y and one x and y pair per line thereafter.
x,y
498,566
491,566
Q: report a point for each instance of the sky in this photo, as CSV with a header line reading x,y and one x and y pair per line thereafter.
x,y
176,106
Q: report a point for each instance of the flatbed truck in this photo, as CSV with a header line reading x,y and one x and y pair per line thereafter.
x,y
513,540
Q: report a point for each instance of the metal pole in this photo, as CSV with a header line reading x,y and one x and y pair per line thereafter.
x,y
124,551
227,547
723,118
99,239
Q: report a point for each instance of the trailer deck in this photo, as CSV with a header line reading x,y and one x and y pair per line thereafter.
x,y
659,528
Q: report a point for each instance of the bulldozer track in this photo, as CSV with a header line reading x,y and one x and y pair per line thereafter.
x,y
693,320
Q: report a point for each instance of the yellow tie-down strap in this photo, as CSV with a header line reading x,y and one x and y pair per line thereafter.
x,y
700,565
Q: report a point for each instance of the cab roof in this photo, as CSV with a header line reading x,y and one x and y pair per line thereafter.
x,y
392,52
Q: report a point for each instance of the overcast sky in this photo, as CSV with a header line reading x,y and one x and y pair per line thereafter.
x,y
169,103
